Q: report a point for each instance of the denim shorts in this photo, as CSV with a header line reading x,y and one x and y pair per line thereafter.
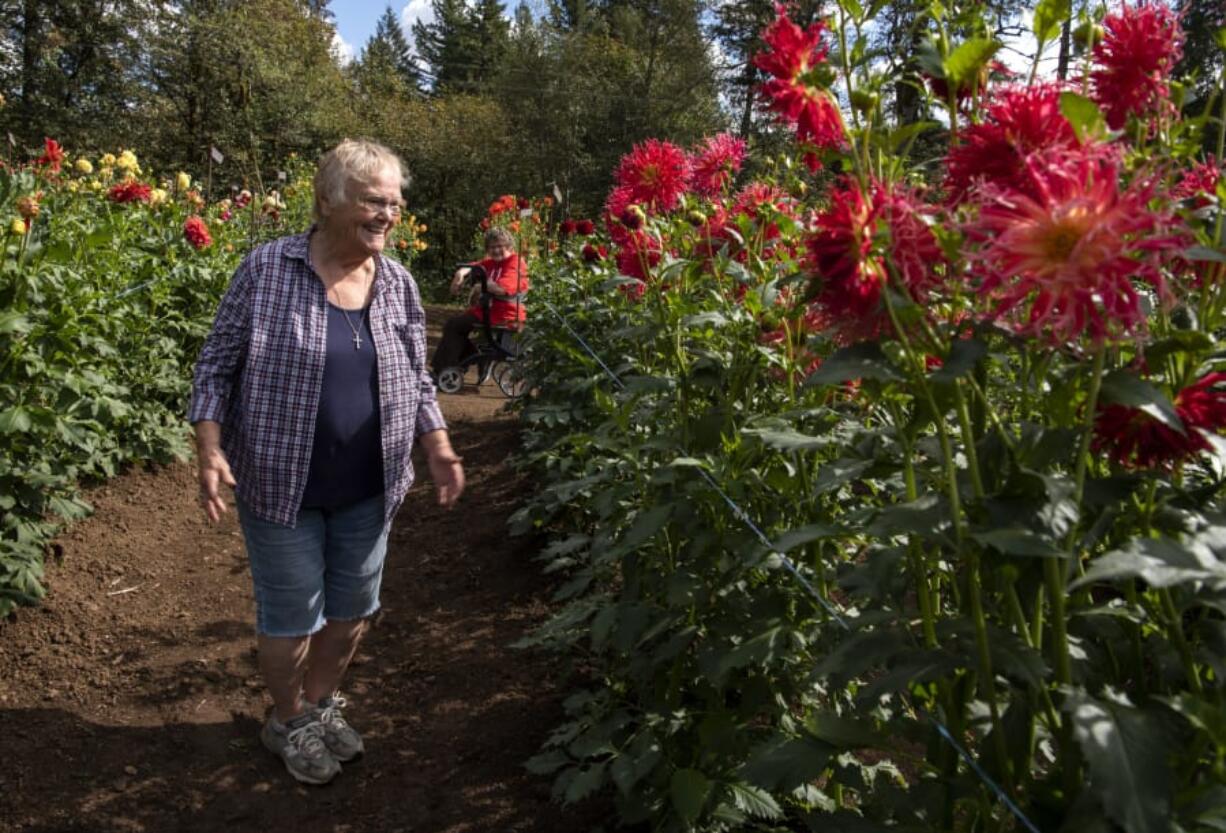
x,y
327,567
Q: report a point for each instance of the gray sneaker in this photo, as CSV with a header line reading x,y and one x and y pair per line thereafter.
x,y
342,740
300,744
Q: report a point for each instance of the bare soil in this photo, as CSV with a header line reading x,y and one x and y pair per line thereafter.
x,y
130,701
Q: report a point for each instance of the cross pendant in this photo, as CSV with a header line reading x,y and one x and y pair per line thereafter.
x,y
357,342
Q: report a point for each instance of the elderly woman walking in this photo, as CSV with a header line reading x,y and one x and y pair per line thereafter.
x,y
309,394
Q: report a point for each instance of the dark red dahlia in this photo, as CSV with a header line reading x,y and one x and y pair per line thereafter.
x,y
593,254
568,227
795,59
715,162
861,239
1199,183
1135,439
130,191
585,227
639,255
1133,62
1019,121
197,233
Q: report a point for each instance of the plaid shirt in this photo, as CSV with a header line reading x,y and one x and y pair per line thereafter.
x,y
261,371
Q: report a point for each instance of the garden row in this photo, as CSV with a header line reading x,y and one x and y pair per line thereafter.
x,y
975,408
109,279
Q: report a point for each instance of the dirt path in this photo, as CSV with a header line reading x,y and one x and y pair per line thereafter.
x,y
130,701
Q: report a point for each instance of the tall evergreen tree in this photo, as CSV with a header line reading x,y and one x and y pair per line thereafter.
x,y
446,44
389,45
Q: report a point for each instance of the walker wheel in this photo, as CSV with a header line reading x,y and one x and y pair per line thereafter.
x,y
510,380
451,379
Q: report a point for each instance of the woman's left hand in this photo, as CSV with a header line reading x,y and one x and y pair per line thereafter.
x,y
448,475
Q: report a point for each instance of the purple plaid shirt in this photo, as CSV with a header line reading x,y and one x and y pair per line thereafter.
x,y
261,371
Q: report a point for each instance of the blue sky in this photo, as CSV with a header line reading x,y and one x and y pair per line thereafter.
x,y
355,19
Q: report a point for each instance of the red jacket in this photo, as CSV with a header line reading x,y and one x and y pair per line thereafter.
x,y
511,275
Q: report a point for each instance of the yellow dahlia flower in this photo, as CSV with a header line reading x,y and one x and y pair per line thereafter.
x,y
84,166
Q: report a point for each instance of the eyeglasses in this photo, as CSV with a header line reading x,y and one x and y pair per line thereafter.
x,y
377,206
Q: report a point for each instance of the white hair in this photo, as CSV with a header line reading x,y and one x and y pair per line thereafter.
x,y
352,161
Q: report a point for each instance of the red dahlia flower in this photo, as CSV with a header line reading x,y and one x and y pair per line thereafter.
x,y
655,173
568,227
859,240
585,227
197,233
795,59
1019,121
1199,182
130,191
639,255
53,155
1071,247
1140,47
1133,438
715,162
592,254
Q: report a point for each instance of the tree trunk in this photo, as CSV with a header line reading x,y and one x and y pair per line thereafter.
x,y
1065,44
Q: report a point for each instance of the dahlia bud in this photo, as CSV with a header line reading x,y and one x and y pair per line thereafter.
x,y
28,207
696,218
633,217
17,226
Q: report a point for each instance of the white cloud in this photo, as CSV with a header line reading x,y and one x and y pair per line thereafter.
x,y
342,49
414,11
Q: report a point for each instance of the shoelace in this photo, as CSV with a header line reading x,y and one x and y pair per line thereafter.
x,y
331,714
308,739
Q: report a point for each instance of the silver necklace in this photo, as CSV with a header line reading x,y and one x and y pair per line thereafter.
x,y
357,331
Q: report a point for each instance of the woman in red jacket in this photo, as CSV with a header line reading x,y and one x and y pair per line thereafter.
x,y
506,283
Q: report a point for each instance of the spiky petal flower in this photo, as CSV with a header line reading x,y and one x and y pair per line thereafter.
x,y
715,162
1135,439
197,233
656,173
795,59
1199,182
1133,62
1062,256
1019,120
53,156
130,191
863,237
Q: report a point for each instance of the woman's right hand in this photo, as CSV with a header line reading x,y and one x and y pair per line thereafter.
x,y
457,280
213,470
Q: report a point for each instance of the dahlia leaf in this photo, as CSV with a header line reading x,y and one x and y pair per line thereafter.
x,y
1205,253
964,355
1048,16
964,64
755,801
794,538
859,361
1127,750
1083,114
689,789
1159,562
1019,541
1122,388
